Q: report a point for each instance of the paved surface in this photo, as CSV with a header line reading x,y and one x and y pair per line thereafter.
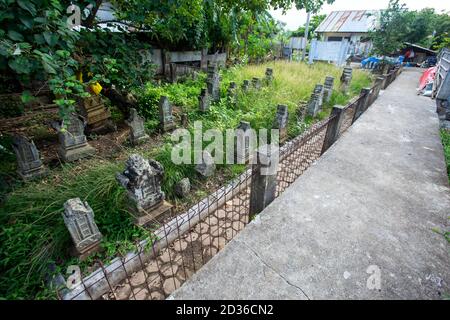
x,y
372,200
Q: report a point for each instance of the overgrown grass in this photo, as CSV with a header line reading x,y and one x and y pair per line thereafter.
x,y
33,232
445,135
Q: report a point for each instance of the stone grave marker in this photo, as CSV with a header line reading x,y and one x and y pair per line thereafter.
x,y
183,187
281,121
328,88
29,163
166,120
243,142
142,179
204,101
268,76
79,219
72,140
137,129
207,166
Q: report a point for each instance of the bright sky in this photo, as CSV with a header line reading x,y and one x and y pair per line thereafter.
x,y
295,18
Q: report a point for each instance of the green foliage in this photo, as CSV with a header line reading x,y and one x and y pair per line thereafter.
x,y
118,57
389,36
316,20
398,25
33,232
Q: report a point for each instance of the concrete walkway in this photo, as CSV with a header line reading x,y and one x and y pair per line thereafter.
x,y
373,199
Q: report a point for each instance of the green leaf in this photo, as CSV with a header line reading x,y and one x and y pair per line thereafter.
x,y
50,38
20,64
27,22
27,5
15,36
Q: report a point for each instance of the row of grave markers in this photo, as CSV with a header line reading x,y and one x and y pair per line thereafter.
x,y
73,144
142,180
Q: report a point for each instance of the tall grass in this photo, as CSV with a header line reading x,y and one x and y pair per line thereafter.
x,y
33,232
445,135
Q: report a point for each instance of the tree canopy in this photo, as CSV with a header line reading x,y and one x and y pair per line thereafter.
x,y
398,25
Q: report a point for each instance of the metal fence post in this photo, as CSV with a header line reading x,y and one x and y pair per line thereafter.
x,y
362,105
264,178
334,126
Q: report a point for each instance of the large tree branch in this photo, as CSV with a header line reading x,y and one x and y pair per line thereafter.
x,y
89,21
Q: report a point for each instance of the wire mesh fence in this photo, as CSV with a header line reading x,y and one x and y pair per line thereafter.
x,y
184,243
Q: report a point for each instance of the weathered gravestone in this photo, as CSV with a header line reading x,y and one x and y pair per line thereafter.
x,y
204,101
269,76
206,167
245,85
328,88
256,82
98,117
137,129
183,187
213,82
281,120
243,139
29,163
166,120
79,220
346,78
72,140
301,113
232,92
142,179
313,104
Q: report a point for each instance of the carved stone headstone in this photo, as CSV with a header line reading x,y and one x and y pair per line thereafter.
x,y
269,76
313,105
213,82
281,121
137,129
183,187
243,142
79,220
204,101
29,163
207,166
245,85
232,92
142,179
256,82
166,120
72,140
328,88
97,116
346,78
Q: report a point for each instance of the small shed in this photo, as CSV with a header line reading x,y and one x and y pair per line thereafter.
x,y
415,53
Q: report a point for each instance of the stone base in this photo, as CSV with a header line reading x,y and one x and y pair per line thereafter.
x,y
142,217
33,174
82,255
76,153
102,127
139,140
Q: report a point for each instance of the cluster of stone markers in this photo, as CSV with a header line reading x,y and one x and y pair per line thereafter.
x,y
142,178
322,93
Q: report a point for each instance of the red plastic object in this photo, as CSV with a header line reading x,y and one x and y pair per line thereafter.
x,y
427,77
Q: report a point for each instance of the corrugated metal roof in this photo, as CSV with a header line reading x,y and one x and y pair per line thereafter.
x,y
349,21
